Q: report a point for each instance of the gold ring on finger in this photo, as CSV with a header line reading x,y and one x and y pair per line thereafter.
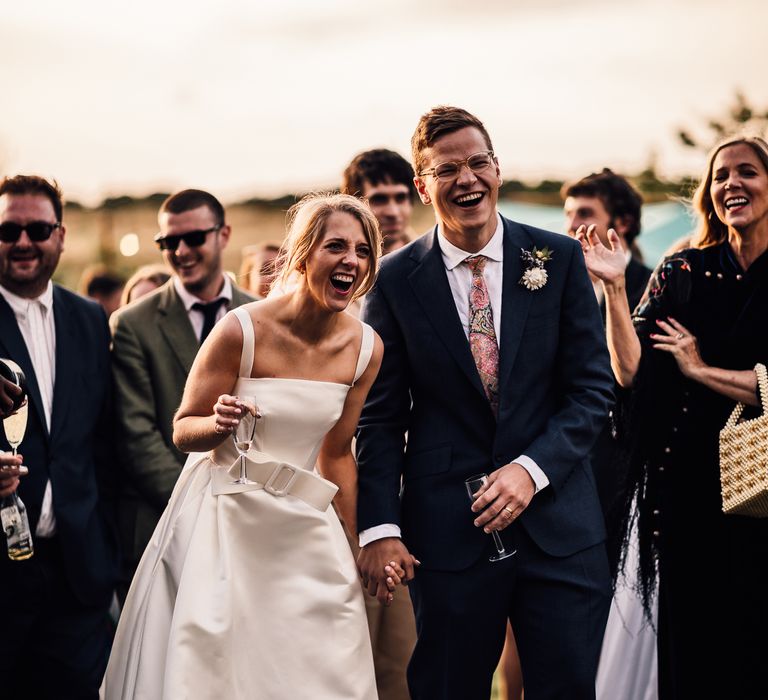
x,y
509,510
680,336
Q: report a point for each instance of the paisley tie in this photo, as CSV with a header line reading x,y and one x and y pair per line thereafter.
x,y
482,336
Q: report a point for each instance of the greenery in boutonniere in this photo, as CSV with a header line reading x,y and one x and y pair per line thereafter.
x,y
535,276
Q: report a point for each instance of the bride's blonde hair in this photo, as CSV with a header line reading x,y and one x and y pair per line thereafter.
x,y
306,226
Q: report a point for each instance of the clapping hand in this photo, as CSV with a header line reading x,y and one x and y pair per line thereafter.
x,y
607,264
677,340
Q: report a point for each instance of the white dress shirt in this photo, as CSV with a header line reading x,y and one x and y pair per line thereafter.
x,y
460,282
36,324
189,299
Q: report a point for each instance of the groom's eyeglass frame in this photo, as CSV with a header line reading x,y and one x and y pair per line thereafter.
x,y
38,231
450,170
192,239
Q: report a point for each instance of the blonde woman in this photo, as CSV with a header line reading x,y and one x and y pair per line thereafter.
x,y
250,590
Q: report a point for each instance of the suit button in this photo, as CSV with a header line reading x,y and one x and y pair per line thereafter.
x,y
661,469
655,512
656,533
667,450
685,409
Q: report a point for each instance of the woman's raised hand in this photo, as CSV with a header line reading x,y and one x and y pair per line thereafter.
x,y
607,264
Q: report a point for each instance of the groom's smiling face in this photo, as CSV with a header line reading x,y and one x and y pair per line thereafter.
x,y
465,204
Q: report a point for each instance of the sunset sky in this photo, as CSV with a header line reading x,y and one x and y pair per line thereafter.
x,y
262,98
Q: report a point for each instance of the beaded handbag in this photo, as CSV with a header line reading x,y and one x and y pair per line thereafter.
x,y
744,458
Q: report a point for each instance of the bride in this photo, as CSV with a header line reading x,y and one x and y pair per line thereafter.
x,y
251,591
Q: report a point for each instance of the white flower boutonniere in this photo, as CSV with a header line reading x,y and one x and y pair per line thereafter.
x,y
535,276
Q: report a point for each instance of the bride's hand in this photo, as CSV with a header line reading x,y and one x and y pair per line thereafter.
x,y
607,264
227,411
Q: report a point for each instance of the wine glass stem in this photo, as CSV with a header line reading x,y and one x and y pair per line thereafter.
x,y
242,467
497,541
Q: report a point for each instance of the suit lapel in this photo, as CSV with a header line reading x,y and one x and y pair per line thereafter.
x,y
430,284
516,299
67,370
14,347
175,326
239,298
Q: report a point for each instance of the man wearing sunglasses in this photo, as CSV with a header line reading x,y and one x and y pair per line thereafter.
x,y
55,619
385,179
155,340
495,362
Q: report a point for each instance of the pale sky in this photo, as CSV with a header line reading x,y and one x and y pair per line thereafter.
x,y
263,97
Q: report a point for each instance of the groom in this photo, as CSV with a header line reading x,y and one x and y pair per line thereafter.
x,y
495,362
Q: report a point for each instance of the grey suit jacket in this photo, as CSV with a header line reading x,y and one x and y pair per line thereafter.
x,y
153,347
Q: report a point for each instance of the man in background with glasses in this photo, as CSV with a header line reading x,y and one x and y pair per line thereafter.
x,y
494,361
155,340
56,627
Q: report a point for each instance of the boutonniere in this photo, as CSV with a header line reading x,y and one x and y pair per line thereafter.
x,y
535,276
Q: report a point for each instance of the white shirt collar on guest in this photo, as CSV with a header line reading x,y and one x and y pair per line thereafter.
x,y
20,305
454,256
188,299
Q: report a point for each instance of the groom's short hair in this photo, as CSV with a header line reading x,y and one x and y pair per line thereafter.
x,y
438,122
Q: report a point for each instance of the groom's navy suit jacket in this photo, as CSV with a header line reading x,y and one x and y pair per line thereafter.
x,y
555,386
77,453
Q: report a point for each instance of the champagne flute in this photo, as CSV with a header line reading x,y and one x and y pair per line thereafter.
x,y
15,427
473,485
244,433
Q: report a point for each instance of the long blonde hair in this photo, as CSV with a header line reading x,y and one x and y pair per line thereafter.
x,y
306,226
711,230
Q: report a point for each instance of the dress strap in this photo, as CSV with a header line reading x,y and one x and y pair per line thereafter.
x,y
366,350
246,355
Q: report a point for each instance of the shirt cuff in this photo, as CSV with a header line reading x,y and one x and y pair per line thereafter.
x,y
379,532
540,479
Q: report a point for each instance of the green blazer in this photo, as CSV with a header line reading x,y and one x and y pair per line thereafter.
x,y
153,347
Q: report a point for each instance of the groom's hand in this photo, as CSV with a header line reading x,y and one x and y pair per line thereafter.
x,y
376,557
505,496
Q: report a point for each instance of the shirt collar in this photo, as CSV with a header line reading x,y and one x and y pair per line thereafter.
x,y
20,305
188,299
454,256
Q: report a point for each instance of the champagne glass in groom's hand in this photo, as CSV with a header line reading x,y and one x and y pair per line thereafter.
x,y
473,485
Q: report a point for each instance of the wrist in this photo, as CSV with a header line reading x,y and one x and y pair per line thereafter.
x,y
615,286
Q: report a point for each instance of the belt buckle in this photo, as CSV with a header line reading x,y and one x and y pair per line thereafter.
x,y
269,487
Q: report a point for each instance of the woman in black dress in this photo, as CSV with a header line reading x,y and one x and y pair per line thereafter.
x,y
685,358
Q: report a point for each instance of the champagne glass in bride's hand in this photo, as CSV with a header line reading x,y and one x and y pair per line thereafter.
x,y
474,484
244,432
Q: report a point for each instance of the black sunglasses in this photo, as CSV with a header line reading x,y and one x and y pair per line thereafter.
x,y
192,239
10,231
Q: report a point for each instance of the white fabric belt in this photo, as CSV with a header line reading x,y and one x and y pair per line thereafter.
x,y
275,477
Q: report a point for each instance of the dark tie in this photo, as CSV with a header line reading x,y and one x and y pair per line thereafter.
x,y
209,311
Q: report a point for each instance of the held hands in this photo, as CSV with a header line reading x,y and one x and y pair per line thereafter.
x,y
11,469
677,340
384,564
228,410
607,264
503,498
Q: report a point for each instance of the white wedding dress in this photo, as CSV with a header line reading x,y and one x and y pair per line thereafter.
x,y
242,593
628,667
